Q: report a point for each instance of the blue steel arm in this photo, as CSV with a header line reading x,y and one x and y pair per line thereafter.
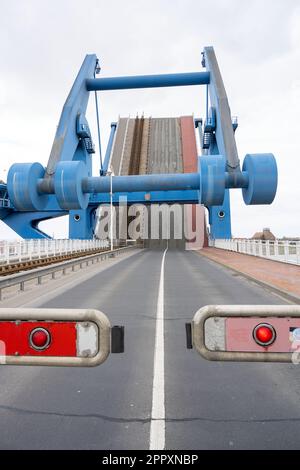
x,y
222,142
26,224
224,131
66,138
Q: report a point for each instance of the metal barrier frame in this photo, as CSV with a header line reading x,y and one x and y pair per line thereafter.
x,y
223,311
55,314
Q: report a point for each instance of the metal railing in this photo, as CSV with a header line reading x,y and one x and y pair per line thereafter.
x,y
64,267
286,251
5,202
12,252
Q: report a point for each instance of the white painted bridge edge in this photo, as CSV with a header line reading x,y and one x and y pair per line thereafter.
x,y
286,251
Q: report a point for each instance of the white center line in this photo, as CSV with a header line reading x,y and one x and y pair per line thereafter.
x,y
157,425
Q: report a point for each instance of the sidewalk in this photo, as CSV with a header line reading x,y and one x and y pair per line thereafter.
x,y
281,277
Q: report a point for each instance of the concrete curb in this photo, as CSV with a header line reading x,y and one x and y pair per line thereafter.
x,y
287,295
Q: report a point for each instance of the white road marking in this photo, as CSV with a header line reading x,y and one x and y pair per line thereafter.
x,y
157,425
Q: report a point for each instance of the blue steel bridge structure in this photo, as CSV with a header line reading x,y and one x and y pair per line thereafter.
x,y
67,186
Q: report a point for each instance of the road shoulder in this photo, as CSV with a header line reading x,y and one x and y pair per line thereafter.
x,y
281,278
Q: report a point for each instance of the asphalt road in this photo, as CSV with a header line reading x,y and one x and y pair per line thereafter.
x,y
207,405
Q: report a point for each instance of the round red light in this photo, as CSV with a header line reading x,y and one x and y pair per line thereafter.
x,y
39,338
264,334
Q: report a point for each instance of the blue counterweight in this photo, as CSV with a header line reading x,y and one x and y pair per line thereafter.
x,y
72,186
262,172
22,186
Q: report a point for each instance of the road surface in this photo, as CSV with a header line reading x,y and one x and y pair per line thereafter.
x,y
204,405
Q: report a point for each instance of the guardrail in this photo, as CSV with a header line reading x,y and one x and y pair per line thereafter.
x,y
12,252
5,203
286,251
21,278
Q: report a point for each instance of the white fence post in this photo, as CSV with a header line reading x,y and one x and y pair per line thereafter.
x,y
298,252
6,252
286,251
282,250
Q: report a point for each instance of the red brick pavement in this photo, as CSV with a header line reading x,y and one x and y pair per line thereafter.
x,y
283,276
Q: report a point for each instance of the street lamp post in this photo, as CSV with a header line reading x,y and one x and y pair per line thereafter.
x,y
110,172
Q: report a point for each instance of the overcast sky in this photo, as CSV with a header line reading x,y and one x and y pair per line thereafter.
x,y
257,42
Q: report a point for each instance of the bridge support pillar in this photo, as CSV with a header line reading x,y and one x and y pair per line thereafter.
x,y
220,219
82,223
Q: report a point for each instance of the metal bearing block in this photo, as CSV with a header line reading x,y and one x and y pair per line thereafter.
x,y
68,185
212,174
262,174
22,181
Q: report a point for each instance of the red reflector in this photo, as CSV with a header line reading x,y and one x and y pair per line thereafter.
x,y
264,334
39,338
